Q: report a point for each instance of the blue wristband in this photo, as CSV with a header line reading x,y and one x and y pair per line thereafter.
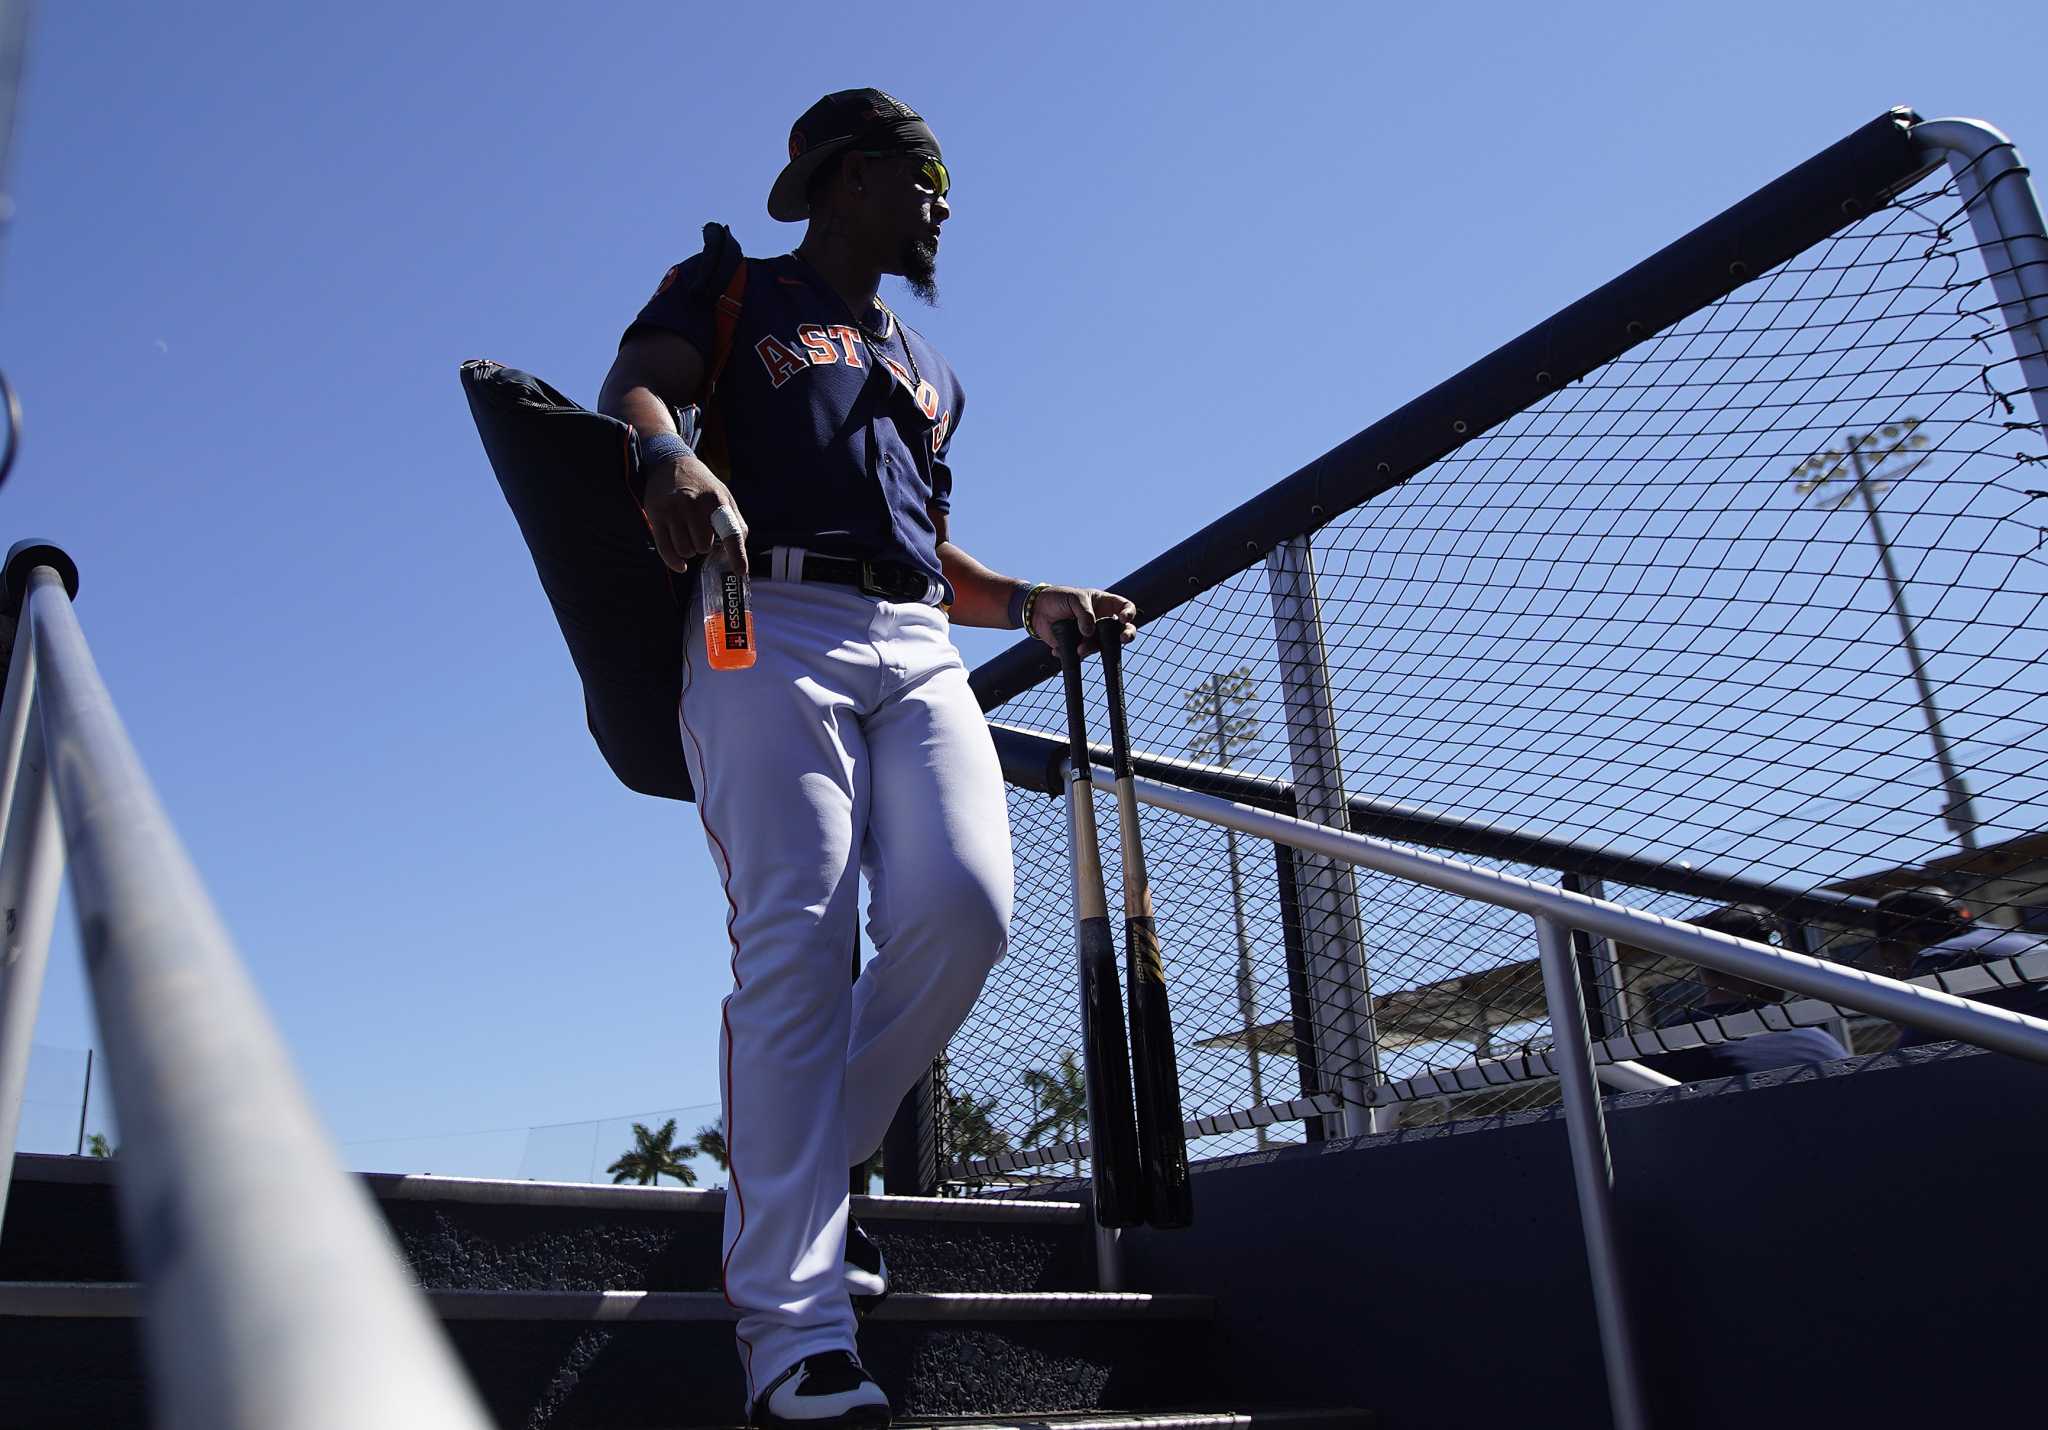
x,y
660,447
652,448
1017,595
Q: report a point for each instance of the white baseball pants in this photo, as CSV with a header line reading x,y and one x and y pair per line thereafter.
x,y
853,745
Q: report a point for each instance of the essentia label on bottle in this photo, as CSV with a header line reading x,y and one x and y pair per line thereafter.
x,y
733,596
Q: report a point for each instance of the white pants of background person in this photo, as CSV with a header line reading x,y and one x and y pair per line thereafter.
x,y
853,745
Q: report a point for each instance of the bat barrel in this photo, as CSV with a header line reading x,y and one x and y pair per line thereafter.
x,y
1162,1141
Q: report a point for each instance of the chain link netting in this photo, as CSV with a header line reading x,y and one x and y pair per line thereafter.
x,y
1650,614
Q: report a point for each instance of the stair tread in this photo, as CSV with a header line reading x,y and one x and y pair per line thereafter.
x,y
123,1298
1289,1418
499,1191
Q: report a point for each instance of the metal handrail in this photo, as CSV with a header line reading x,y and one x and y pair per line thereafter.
x,y
1889,998
1556,912
274,1295
1613,1059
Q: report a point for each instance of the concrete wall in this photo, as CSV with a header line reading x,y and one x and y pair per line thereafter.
x,y
1856,1245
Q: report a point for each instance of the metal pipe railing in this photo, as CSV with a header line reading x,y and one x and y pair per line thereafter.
x,y
1558,911
274,1295
1892,999
31,873
1613,1063
1592,1171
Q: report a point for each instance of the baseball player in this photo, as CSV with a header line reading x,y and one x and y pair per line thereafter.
x,y
1927,929
852,745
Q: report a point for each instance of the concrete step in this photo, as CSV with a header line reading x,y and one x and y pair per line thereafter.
x,y
609,1360
481,1234
1179,1420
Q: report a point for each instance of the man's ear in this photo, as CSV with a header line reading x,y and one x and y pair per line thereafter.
x,y
855,172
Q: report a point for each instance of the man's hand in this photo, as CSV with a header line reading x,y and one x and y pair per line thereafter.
x,y
1084,607
681,497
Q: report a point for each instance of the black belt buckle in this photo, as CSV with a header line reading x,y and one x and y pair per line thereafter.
x,y
892,581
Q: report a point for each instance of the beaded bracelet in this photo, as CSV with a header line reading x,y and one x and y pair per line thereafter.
x,y
1031,600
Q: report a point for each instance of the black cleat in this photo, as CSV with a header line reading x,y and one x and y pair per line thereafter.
x,y
826,1389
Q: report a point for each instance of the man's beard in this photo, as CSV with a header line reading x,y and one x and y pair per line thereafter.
x,y
919,270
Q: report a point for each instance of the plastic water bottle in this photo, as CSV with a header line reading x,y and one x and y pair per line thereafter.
x,y
728,614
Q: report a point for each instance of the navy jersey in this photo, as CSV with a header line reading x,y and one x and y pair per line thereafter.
x,y
836,430
1760,1052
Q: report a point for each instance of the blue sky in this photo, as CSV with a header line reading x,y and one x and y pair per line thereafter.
x,y
1192,247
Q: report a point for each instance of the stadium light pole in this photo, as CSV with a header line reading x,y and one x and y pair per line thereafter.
x,y
1212,709
1855,467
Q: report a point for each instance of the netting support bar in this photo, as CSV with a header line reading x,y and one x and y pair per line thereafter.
x,y
1326,890
2005,216
1592,1171
1892,999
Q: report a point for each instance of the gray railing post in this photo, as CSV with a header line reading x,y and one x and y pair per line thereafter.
x,y
1333,933
274,1296
1608,1006
31,873
1592,1171
2005,216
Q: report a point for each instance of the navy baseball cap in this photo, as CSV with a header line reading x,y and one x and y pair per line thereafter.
x,y
1737,920
1924,905
847,119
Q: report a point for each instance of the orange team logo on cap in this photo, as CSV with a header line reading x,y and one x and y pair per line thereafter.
x,y
796,142
668,278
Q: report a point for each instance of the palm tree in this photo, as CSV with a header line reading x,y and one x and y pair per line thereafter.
x,y
971,1120
653,1157
1059,1101
711,1142
98,1146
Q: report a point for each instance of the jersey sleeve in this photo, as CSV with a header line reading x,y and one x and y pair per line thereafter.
x,y
679,306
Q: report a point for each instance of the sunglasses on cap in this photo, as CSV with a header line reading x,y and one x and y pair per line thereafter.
x,y
931,168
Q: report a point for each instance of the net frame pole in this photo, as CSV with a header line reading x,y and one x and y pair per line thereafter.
x,y
31,875
1827,193
2005,216
1592,1172
1607,1006
1333,932
1300,1011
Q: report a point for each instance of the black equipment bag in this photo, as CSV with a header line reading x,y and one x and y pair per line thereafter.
x,y
569,475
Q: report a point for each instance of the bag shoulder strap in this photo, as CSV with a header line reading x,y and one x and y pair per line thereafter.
x,y
726,318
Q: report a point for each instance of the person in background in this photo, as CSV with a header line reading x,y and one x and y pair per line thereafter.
x,y
1927,930
1722,995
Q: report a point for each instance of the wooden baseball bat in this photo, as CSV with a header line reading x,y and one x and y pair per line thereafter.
x,y
1162,1139
1112,1132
